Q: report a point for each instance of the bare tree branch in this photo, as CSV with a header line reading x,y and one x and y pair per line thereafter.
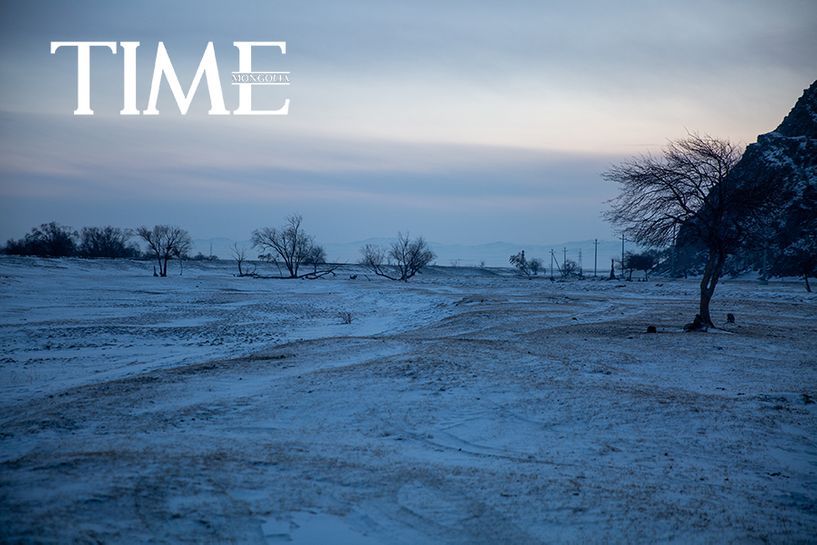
x,y
165,242
404,259
292,246
685,190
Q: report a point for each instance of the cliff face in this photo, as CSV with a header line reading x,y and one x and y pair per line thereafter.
x,y
787,156
802,120
782,167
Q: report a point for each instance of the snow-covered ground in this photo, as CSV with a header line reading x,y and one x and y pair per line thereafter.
x,y
467,406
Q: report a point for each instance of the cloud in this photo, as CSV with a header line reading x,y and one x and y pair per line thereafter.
x,y
461,118
114,162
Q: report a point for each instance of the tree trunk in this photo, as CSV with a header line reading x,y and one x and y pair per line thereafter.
x,y
163,272
712,273
808,287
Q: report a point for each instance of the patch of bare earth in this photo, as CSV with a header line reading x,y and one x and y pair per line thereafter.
x,y
542,415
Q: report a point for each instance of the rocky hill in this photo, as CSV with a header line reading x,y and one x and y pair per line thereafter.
x,y
781,168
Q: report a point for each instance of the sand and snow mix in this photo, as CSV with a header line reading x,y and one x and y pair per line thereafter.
x,y
467,406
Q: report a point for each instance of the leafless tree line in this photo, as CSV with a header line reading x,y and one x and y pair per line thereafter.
x,y
297,255
293,251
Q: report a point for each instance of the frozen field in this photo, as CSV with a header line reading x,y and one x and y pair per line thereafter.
x,y
465,407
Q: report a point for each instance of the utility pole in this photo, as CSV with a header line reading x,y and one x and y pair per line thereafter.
x,y
551,264
564,256
595,257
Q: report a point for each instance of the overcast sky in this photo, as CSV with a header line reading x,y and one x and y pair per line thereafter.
x,y
466,121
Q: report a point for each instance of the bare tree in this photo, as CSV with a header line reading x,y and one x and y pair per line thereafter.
x,y
315,258
520,263
404,259
293,247
47,240
569,269
645,261
240,256
376,259
165,242
525,266
686,187
107,242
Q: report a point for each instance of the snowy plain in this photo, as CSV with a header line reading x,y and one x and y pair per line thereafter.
x,y
467,406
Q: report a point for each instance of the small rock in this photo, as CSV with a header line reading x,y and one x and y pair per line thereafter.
x,y
696,325
652,329
730,318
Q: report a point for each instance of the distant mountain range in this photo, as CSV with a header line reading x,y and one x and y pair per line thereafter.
x,y
493,254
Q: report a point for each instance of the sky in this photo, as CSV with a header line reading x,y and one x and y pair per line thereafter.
x,y
467,122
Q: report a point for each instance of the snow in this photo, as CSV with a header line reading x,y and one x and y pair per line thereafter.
x,y
80,320
467,406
